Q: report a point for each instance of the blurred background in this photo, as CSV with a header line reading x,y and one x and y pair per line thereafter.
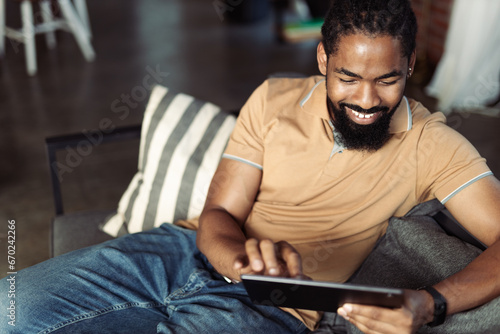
x,y
216,50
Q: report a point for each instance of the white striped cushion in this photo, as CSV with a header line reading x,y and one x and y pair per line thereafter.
x,y
182,141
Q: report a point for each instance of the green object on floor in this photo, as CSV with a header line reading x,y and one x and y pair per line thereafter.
x,y
297,31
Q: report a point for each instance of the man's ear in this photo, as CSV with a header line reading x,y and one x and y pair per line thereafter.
x,y
412,61
322,58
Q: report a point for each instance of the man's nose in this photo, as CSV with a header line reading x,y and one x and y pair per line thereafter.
x,y
366,96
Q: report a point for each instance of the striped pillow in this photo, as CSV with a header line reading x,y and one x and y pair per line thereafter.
x,y
182,141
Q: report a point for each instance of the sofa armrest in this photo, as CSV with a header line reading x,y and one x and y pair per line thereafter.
x,y
56,143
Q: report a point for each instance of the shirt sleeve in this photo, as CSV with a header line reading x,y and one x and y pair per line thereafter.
x,y
246,141
447,162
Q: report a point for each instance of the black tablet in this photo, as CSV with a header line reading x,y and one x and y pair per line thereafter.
x,y
315,295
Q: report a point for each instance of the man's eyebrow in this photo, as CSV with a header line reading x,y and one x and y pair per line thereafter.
x,y
348,73
392,74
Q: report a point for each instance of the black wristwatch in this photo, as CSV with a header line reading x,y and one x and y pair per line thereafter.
x,y
439,306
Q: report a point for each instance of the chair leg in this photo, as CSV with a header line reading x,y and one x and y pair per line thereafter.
x,y
2,28
77,29
50,36
81,9
29,36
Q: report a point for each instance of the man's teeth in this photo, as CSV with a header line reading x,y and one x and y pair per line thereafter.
x,y
361,115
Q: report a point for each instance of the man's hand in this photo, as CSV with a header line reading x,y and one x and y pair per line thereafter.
x,y
267,258
416,312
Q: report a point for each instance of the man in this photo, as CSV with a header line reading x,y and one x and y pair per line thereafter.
x,y
286,176
320,164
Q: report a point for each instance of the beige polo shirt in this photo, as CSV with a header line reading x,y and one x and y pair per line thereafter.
x,y
332,204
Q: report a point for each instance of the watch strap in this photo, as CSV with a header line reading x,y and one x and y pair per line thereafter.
x,y
440,306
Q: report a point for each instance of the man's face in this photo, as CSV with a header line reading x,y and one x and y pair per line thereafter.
x,y
365,83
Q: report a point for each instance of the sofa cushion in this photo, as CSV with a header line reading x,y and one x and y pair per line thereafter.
x,y
182,140
77,230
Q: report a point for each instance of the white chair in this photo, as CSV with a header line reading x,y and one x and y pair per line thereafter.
x,y
81,9
73,20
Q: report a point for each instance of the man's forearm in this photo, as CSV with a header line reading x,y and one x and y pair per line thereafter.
x,y
222,241
476,284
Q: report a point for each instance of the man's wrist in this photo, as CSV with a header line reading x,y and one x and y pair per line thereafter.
x,y
428,306
438,307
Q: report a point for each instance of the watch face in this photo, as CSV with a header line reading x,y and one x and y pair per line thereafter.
x,y
440,307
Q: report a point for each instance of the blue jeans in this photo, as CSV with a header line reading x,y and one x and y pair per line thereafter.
x,y
151,282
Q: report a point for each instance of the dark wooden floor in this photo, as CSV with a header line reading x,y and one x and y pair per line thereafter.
x,y
188,45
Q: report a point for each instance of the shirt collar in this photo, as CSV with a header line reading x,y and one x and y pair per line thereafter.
x,y
314,102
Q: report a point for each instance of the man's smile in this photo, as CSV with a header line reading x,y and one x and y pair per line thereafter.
x,y
362,118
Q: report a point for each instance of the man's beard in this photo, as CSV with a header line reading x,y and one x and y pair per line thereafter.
x,y
369,137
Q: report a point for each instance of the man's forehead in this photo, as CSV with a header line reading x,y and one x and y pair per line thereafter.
x,y
368,42
361,52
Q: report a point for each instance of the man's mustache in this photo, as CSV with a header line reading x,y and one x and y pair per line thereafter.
x,y
357,108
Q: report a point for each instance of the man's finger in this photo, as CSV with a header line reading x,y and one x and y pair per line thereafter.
x,y
240,262
268,252
254,256
376,319
373,312
291,257
368,326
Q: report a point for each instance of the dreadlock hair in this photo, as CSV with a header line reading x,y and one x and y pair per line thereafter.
x,y
370,17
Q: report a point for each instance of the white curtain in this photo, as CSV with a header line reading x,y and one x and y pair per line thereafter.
x,y
468,74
